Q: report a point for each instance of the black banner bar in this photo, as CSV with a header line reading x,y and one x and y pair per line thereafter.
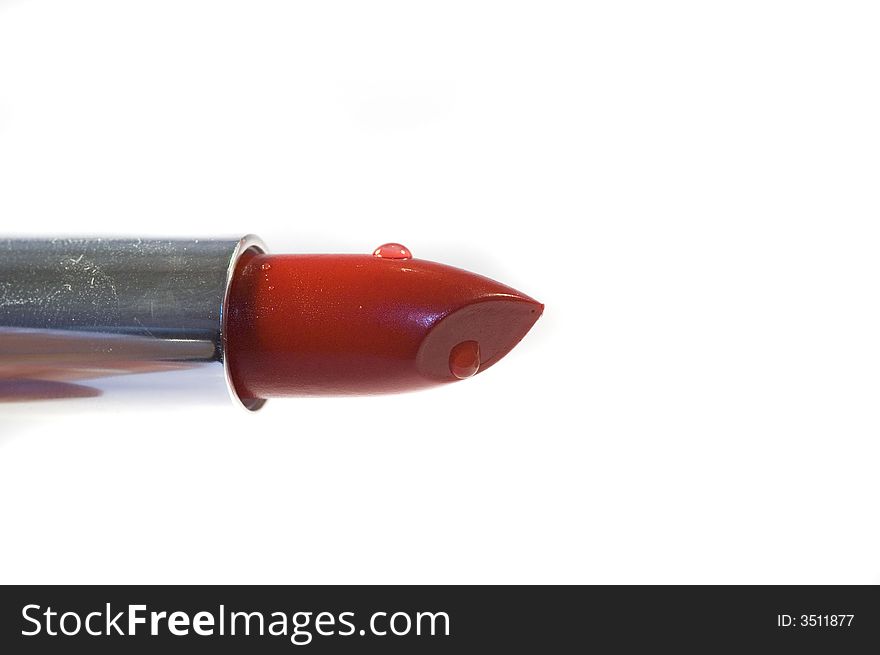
x,y
444,619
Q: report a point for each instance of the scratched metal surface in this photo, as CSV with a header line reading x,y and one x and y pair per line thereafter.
x,y
77,316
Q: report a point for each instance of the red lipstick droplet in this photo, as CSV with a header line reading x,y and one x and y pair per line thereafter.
x,y
464,359
392,251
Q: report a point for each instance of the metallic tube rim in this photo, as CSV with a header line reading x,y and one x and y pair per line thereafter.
x,y
247,242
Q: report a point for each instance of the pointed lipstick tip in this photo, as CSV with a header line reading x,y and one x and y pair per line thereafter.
x,y
472,339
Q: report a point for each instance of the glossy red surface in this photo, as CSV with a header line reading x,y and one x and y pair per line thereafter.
x,y
361,324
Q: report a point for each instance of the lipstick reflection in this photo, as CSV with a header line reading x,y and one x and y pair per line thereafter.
x,y
52,364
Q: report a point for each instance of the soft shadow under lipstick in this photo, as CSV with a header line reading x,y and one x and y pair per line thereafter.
x,y
79,317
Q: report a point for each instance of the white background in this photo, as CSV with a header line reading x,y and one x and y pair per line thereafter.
x,y
691,188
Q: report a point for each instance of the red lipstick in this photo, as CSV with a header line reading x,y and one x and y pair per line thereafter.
x,y
358,324
277,325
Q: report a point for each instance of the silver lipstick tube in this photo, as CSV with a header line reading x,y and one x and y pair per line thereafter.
x,y
101,318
